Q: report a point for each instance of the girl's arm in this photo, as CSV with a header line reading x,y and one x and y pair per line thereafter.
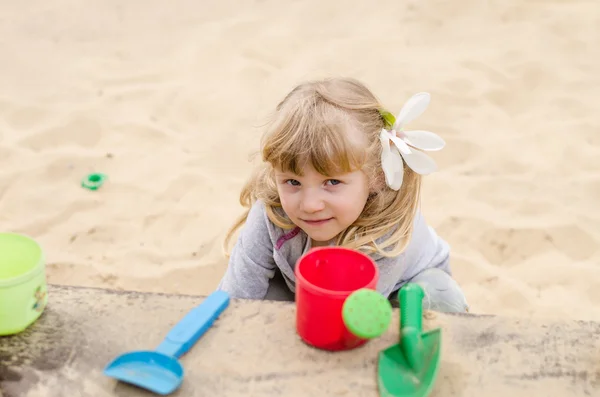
x,y
425,250
251,264
428,264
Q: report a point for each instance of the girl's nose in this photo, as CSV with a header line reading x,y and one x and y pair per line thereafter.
x,y
312,202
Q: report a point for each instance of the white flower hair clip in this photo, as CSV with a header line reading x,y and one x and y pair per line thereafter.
x,y
405,143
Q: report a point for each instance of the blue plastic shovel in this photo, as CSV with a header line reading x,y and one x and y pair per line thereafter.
x,y
159,371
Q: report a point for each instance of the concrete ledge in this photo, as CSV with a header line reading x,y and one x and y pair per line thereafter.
x,y
253,350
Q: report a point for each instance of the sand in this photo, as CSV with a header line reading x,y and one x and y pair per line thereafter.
x,y
168,101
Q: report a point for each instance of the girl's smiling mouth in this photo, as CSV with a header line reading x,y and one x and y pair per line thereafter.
x,y
316,222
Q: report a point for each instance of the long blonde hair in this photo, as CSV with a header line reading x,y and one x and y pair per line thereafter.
x,y
316,122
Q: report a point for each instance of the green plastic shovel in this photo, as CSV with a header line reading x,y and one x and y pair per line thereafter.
x,y
410,367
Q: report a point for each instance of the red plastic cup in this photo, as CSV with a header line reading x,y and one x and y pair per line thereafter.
x,y
325,277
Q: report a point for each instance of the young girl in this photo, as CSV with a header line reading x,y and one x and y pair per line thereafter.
x,y
338,170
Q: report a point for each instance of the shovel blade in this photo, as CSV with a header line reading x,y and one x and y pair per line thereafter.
x,y
150,370
396,378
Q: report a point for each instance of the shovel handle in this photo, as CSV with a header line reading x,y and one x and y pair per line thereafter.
x,y
411,324
195,324
411,307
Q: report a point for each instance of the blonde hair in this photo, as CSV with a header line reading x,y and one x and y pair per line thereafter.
x,y
318,122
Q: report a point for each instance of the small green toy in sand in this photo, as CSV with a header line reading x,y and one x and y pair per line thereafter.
x,y
93,181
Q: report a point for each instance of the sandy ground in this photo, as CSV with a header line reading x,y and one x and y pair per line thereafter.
x,y
168,101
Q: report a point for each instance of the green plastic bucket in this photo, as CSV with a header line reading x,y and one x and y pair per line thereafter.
x,y
23,292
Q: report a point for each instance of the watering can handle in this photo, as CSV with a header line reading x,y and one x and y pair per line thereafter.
x,y
196,322
411,324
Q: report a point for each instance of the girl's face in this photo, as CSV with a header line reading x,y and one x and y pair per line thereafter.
x,y
322,206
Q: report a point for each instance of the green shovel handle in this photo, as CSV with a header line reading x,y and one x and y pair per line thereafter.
x,y
411,324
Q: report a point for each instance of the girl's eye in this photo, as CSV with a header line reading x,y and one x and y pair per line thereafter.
x,y
334,182
292,182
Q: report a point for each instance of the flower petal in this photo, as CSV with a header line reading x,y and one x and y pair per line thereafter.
x,y
425,140
393,168
413,108
387,164
400,144
384,138
419,162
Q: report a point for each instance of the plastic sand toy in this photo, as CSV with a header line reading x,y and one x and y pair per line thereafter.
x,y
410,368
23,290
367,313
160,371
337,306
93,181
